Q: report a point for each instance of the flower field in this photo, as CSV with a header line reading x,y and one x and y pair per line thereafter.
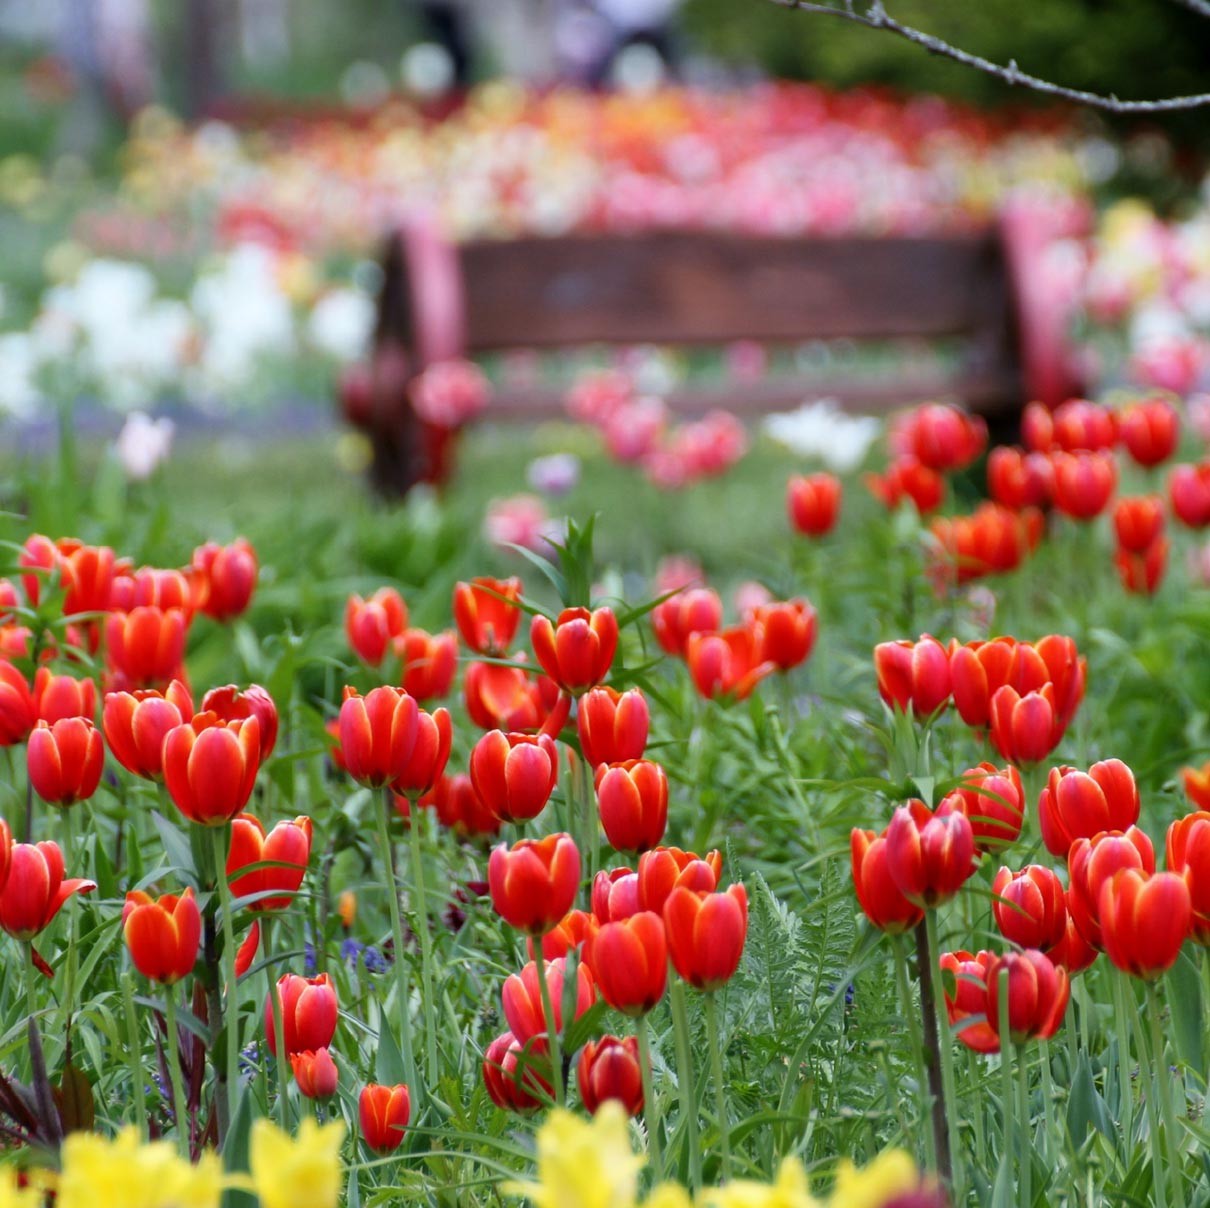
x,y
727,851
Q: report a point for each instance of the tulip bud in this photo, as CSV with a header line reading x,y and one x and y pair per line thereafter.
x,y
316,1073
17,710
136,723
431,753
512,1075
234,704
943,437
1138,522
929,856
486,622
309,1013
913,675
705,934
371,624
1145,921
287,848
629,962
164,936
610,1068
384,1112
210,767
65,760
788,632
675,620
522,1000
534,884
994,803
612,725
514,774
877,894
1030,907
1017,479
633,803
1075,805
429,662
377,734
228,577
812,503
1037,995
577,649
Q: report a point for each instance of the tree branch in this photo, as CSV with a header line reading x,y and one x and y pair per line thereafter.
x,y
876,17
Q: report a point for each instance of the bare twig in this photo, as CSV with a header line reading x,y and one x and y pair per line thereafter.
x,y
876,17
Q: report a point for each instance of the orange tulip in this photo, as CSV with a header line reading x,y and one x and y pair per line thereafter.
x,y
706,933
377,734
384,1112
236,704
534,883
429,662
632,799
487,622
286,849
577,649
210,767
164,936
65,760
612,725
135,724
913,675
514,774
1145,921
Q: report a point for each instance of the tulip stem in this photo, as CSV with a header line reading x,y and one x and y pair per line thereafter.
x,y
1159,1181
1024,1120
1007,1094
180,1111
134,1055
720,1089
1125,1089
420,897
1048,1107
279,1033
651,1110
1164,1088
909,1013
553,1038
936,1023
403,991
31,1000
684,1070
221,842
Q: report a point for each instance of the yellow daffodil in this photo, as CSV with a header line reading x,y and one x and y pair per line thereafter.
x,y
788,1191
305,1172
668,1195
130,1173
12,1196
584,1163
890,1174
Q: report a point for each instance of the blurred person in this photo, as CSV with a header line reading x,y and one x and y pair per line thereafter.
x,y
446,23
632,27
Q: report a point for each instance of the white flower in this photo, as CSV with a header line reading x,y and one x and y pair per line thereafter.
x,y
142,444
19,395
821,430
341,323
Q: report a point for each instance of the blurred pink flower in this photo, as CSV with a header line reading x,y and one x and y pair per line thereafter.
x,y
1170,363
634,429
749,596
678,571
519,520
449,393
596,397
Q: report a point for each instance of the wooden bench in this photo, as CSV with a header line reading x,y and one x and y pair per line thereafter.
x,y
438,301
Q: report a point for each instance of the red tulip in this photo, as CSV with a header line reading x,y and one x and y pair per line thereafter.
x,y
1196,782
316,1073
1068,673
574,931
812,503
1189,494
35,890
1038,428
969,998
136,723
41,553
151,587
1138,522
429,662
17,711
309,1012
512,1075
992,540
1082,426
1188,851
286,848
1025,729
913,675
511,699
1075,805
728,663
615,895
146,646
612,725
877,893
371,624
1017,479
942,437
58,696
675,620
522,1000
1141,574
629,962
6,852
487,622
577,649
384,1112
706,933
534,883
234,704
460,808
1150,430
377,734
929,855
788,633
1037,995
1073,951
1084,482
65,760
164,936
664,869
908,478
431,753
1091,863
994,802
979,670
1145,920
610,1068
1030,906
514,774
633,803
210,767
227,574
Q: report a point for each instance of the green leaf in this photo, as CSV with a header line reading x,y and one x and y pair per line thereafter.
x,y
1187,1009
388,1062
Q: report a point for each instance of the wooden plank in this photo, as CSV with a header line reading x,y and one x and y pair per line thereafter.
x,y
710,287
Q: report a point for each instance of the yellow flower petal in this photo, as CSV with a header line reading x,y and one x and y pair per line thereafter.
x,y
305,1172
